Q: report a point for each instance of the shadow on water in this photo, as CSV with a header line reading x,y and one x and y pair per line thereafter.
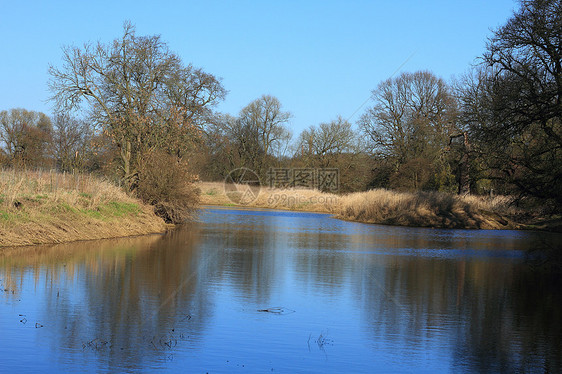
x,y
545,256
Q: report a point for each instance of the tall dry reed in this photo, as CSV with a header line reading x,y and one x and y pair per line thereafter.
x,y
425,209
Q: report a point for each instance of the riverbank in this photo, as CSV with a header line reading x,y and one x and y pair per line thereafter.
x,y
304,200
48,207
421,209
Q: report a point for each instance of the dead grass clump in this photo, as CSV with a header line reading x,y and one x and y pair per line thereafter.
x,y
300,199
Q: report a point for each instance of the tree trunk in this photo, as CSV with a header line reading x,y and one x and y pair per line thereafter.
x,y
126,158
464,167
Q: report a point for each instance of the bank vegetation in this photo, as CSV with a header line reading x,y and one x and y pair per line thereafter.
x,y
381,206
49,207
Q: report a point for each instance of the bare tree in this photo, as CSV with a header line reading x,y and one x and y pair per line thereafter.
x,y
71,142
334,145
138,92
266,119
261,132
524,98
409,126
410,112
323,144
25,136
526,55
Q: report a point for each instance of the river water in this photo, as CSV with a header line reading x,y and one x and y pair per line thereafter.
x,y
255,291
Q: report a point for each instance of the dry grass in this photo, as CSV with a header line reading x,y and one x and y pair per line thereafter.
x,y
38,207
422,209
426,209
215,193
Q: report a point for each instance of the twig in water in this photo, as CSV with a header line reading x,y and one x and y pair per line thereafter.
x,y
277,310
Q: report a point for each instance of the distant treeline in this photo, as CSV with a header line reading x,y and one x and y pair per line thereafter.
x,y
133,110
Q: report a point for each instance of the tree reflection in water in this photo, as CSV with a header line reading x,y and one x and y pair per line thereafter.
x,y
453,300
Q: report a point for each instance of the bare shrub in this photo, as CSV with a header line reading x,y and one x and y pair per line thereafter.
x,y
166,183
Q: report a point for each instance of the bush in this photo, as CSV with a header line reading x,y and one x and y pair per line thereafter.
x,y
166,183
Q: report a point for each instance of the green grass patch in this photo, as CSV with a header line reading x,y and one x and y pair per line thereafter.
x,y
93,213
212,192
58,209
118,209
111,210
5,216
65,208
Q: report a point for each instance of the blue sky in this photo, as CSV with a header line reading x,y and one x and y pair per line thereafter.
x,y
320,58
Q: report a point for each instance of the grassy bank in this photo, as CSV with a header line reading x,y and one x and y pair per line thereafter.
x,y
422,209
48,207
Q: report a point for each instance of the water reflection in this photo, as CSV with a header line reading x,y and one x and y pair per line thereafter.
x,y
381,298
120,297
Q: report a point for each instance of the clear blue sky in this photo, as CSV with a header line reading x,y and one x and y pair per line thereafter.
x,y
320,58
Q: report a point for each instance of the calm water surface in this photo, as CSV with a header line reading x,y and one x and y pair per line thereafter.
x,y
267,291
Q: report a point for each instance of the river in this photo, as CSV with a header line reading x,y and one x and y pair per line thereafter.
x,y
255,291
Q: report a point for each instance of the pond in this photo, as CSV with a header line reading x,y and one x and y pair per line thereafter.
x,y
254,291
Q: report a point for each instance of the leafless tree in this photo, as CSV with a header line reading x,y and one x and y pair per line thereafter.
x,y
261,131
71,142
409,127
323,144
25,135
138,92
524,122
411,112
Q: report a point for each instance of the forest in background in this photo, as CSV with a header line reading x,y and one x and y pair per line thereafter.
x,y
133,111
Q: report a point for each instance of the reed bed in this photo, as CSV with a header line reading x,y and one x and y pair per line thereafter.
x,y
426,209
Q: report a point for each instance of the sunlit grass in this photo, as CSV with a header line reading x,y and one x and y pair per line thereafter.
x,y
43,207
216,193
431,209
